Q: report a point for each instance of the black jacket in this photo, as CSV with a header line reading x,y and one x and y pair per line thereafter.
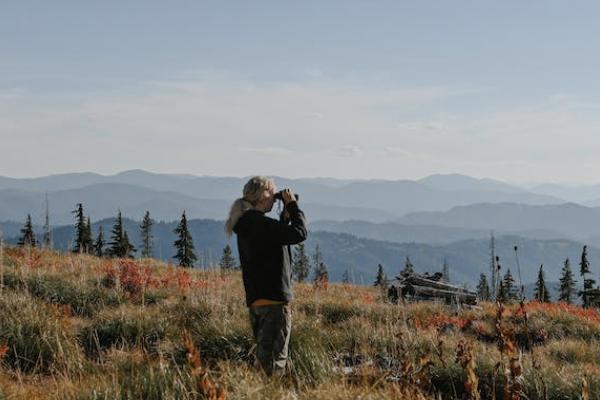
x,y
263,244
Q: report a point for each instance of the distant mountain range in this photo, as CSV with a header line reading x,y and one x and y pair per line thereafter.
x,y
357,223
588,195
431,234
103,200
165,195
568,220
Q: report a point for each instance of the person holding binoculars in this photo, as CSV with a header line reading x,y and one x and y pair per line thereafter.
x,y
265,258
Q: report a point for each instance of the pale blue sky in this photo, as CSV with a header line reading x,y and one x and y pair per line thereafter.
x,y
363,89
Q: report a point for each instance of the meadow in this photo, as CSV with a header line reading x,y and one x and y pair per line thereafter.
x,y
82,327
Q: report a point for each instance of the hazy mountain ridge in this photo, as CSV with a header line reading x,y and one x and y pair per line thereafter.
x,y
463,182
570,219
378,199
583,194
105,199
432,234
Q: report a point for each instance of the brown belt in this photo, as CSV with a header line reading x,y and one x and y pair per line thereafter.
x,y
265,302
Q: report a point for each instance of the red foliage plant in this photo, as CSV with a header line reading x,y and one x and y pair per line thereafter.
x,y
130,277
587,314
3,351
442,320
134,278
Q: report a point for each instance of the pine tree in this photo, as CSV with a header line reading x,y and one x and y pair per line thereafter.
x,y
541,290
88,238
127,248
184,244
47,238
146,233
227,260
116,246
301,263
483,288
317,260
346,277
99,243
509,291
381,279
27,234
567,283
321,274
494,270
408,267
81,231
446,271
501,295
588,283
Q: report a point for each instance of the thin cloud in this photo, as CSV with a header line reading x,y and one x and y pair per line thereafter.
x,y
265,150
189,124
396,151
423,126
351,151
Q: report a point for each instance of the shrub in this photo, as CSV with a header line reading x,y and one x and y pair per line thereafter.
x,y
215,344
56,290
189,315
127,329
143,380
310,361
334,313
36,336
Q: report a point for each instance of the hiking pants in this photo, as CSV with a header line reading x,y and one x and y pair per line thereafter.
x,y
271,325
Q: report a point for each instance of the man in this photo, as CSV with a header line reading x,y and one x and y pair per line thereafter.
x,y
265,257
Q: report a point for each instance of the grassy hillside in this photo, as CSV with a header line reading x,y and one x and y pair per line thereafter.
x,y
360,256
79,327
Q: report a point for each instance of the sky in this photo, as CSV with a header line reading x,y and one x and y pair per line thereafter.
x,y
347,89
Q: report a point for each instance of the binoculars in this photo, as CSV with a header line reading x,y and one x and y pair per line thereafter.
x,y
279,196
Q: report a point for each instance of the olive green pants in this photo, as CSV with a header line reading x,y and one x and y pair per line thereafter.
x,y
271,326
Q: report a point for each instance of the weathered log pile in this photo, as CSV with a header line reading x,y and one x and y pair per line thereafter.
x,y
415,287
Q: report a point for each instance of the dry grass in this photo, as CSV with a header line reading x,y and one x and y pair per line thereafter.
x,y
79,327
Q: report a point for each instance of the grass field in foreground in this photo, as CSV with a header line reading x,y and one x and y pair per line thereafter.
x,y
81,327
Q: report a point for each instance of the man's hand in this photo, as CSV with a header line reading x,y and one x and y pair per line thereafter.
x,y
288,196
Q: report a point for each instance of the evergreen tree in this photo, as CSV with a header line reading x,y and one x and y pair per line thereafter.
x,y
346,277
446,271
317,260
494,268
227,260
47,238
408,267
99,243
27,234
88,237
82,240
301,263
483,288
184,244
588,283
541,290
321,273
116,247
567,283
509,291
127,248
146,233
501,295
381,279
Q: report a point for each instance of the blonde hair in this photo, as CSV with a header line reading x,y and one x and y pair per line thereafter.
x,y
256,189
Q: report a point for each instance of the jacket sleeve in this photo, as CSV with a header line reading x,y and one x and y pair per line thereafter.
x,y
282,233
